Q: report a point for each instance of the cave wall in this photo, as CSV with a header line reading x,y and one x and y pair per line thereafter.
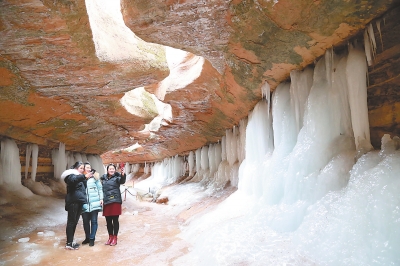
x,y
384,79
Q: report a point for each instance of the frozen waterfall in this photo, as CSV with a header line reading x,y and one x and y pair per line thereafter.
x,y
310,190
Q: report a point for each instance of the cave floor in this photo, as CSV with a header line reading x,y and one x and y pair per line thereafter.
x,y
149,235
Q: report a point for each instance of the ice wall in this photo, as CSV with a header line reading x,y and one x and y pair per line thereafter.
x,y
306,194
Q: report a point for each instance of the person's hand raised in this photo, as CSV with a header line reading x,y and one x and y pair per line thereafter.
x,y
88,175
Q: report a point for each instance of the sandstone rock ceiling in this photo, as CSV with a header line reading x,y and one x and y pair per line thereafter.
x,y
55,89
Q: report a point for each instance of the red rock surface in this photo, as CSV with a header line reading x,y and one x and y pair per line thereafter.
x,y
54,88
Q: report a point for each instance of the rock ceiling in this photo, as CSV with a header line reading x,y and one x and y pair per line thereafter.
x,y
56,86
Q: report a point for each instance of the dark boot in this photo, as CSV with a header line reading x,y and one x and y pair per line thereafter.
x,y
72,246
86,241
109,240
91,242
113,241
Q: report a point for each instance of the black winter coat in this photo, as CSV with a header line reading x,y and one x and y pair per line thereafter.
x,y
76,187
111,192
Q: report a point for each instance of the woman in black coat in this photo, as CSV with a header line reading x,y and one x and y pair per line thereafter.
x,y
74,200
112,201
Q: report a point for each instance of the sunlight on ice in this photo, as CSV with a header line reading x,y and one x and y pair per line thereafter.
x,y
113,40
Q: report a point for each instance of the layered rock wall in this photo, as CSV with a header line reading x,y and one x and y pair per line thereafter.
x,y
55,89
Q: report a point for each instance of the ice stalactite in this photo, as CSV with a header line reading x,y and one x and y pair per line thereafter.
x,y
59,160
35,155
70,158
231,146
300,86
356,72
191,163
10,164
146,168
266,93
378,26
10,168
127,168
96,162
242,140
135,168
370,43
27,159
78,157
198,160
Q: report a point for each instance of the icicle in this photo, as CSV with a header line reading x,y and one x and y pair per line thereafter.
x,y
204,158
191,163
367,47
211,158
10,165
97,163
78,157
266,93
329,66
198,160
146,169
280,110
127,168
242,139
217,155
369,44
356,71
378,26
223,148
372,39
27,159
70,158
135,168
35,155
84,158
259,139
300,86
59,160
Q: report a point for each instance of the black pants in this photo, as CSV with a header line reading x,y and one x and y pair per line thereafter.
x,y
112,225
74,211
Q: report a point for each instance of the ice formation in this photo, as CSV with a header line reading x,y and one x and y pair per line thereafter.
x,y
10,168
310,191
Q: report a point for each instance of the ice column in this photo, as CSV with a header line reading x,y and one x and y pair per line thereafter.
x,y
191,163
27,159
35,155
259,145
356,70
59,160
97,163
10,174
300,86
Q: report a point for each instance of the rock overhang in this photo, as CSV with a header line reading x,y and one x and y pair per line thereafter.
x,y
48,61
